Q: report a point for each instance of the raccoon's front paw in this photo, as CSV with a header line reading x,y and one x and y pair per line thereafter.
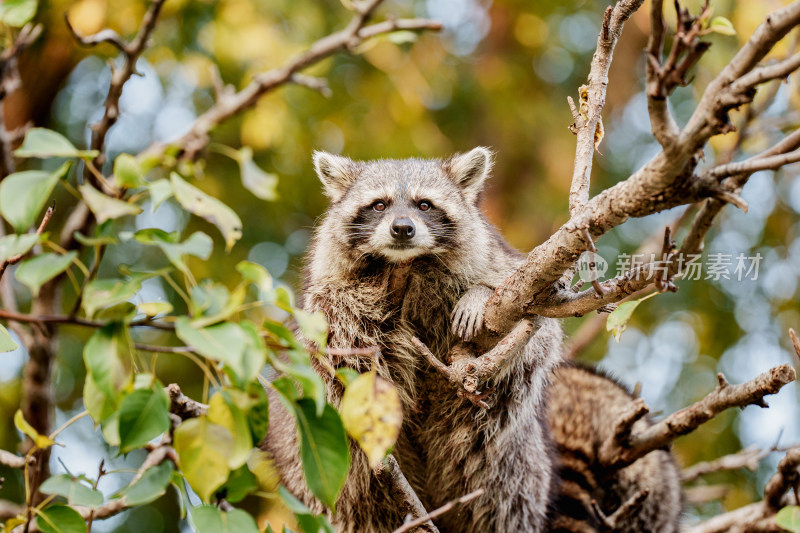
x,y
468,313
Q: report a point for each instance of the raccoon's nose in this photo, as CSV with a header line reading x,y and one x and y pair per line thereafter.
x,y
403,229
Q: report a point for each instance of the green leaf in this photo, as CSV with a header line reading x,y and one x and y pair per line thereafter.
x,y
209,519
722,25
17,13
37,271
262,184
346,375
281,334
150,487
24,194
58,518
261,464
198,245
201,204
618,320
240,483
121,312
73,489
789,518
238,346
99,240
127,172
256,274
7,344
314,327
402,37
160,190
110,425
44,143
154,308
372,415
143,416
299,368
108,365
257,411
101,293
14,245
287,391
308,522
104,207
323,450
224,411
202,449
211,302
40,441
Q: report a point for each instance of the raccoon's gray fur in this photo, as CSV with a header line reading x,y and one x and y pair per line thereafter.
x,y
423,215
583,406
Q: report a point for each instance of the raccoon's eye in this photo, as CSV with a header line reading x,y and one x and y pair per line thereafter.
x,y
379,206
424,205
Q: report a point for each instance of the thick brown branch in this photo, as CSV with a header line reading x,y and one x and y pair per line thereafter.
x,y
469,373
620,452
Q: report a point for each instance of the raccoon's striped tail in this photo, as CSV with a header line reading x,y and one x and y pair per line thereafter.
x,y
644,497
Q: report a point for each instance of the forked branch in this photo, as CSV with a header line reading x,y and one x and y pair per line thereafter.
x,y
626,446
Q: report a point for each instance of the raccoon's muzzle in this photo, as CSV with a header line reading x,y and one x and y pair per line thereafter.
x,y
403,229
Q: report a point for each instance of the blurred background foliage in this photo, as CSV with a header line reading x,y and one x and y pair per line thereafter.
x,y
498,76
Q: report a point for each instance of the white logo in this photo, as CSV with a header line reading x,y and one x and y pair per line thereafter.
x,y
591,267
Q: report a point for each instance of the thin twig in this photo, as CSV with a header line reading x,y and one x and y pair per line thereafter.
x,y
408,526
17,258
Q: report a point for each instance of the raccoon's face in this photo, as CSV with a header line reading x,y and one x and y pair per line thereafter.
x,y
403,209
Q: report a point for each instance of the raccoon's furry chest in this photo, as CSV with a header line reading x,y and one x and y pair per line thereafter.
x,y
431,294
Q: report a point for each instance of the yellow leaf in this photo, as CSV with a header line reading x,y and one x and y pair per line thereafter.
x,y
11,523
262,466
372,415
203,449
40,441
226,411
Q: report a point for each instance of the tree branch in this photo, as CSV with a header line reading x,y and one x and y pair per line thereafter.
x,y
119,76
665,181
230,105
390,475
10,82
17,258
587,124
12,460
408,526
748,458
759,516
625,447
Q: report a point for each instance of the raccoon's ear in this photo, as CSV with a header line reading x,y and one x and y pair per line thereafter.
x,y
469,171
336,173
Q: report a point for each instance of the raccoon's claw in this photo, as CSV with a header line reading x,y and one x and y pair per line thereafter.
x,y
467,315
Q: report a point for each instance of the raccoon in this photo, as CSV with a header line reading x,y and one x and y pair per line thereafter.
x,y
422,217
583,407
